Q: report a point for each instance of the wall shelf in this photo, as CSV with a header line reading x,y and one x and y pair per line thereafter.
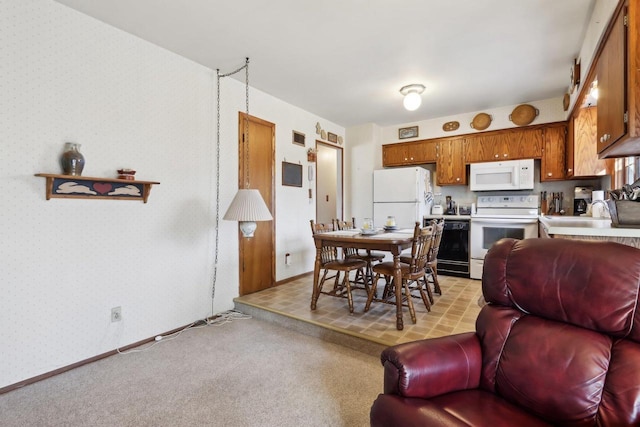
x,y
85,187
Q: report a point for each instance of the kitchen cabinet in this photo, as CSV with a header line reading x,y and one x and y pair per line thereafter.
x,y
525,143
509,144
618,74
552,165
582,155
450,163
487,147
409,153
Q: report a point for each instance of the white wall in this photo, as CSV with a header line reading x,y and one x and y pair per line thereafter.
x,y
363,159
65,263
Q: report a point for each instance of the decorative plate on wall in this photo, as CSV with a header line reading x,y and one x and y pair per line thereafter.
x,y
481,121
566,100
449,126
523,114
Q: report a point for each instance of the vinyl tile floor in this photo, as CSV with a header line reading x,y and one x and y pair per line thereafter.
x,y
453,312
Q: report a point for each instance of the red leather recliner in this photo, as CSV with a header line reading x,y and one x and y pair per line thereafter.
x,y
557,344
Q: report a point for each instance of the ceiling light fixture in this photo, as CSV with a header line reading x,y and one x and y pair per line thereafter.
x,y
412,98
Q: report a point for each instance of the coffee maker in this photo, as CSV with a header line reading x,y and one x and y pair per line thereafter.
x,y
581,200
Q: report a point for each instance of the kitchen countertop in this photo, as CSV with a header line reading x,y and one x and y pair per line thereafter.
x,y
584,226
450,217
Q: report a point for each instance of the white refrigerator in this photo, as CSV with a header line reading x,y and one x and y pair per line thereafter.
x,y
404,193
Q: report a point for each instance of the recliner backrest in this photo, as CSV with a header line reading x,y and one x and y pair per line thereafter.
x,y
560,330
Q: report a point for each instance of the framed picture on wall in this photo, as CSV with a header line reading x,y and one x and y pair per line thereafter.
x,y
298,138
410,132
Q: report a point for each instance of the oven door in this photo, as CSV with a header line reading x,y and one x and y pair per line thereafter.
x,y
486,231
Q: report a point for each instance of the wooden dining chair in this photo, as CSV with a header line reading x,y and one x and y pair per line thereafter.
x,y
411,272
432,262
422,286
368,256
329,261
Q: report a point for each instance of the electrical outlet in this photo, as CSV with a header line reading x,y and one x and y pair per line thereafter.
x,y
116,314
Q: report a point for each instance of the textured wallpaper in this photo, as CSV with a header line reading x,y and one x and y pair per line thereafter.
x,y
65,77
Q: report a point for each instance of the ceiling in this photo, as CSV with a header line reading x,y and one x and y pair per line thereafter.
x,y
346,60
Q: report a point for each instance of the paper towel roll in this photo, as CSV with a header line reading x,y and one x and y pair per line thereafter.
x,y
597,195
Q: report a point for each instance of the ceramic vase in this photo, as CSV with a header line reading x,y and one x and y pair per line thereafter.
x,y
72,160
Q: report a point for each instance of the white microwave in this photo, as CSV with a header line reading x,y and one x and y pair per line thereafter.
x,y
504,175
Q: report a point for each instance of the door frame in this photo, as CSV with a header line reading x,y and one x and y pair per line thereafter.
x,y
340,185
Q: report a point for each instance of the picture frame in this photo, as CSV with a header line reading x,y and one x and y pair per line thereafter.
x,y
291,174
332,137
298,138
410,132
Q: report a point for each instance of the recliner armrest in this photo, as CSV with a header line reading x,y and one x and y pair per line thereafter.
x,y
432,367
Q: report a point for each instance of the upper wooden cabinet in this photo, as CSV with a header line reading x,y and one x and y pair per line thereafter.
x,y
618,74
611,79
451,166
409,153
582,160
487,147
563,155
508,144
525,143
552,165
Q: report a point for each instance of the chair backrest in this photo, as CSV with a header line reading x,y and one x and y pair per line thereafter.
x,y
561,331
320,228
420,248
438,227
327,253
344,225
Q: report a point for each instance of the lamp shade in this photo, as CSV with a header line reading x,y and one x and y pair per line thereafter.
x,y
248,205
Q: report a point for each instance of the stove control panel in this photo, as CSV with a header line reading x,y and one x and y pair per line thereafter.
x,y
524,201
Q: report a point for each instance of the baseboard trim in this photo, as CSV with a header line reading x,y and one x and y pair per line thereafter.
x,y
63,369
291,279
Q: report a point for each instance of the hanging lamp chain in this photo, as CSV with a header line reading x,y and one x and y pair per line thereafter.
x,y
246,124
246,135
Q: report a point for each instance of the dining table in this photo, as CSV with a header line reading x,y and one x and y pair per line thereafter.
x,y
389,241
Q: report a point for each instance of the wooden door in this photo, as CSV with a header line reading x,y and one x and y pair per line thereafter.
x,y
257,254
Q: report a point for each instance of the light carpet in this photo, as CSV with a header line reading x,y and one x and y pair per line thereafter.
x,y
243,373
